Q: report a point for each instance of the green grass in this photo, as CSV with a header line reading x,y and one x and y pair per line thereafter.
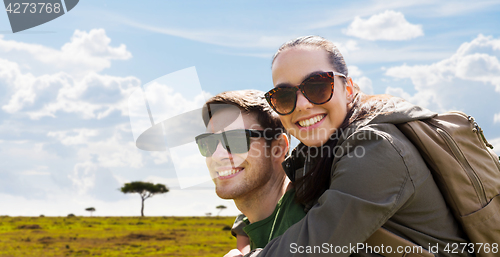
x,y
115,236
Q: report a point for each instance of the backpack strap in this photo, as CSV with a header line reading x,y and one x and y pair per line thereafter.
x,y
384,237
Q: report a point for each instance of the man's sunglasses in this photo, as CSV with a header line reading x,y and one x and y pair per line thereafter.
x,y
234,141
317,89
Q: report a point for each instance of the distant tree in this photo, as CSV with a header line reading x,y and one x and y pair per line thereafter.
x,y
208,214
144,189
90,209
221,208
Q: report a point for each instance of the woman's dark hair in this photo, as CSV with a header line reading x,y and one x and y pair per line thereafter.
x,y
334,55
317,179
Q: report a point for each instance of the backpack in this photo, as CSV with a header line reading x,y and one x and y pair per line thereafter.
x,y
466,171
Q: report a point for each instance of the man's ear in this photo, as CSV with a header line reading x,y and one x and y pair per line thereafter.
x,y
280,146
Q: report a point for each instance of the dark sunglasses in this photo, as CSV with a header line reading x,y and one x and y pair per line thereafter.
x,y
234,141
317,89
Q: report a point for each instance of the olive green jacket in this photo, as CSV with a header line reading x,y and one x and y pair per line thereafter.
x,y
378,178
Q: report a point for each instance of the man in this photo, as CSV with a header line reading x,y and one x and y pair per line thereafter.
x,y
244,147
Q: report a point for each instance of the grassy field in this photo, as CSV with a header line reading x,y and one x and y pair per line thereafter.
x,y
115,236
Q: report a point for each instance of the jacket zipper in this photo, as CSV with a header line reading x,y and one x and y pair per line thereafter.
x,y
476,183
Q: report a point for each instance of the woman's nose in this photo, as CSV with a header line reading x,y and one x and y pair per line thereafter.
x,y
302,102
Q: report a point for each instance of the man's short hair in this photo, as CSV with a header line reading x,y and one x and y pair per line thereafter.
x,y
248,101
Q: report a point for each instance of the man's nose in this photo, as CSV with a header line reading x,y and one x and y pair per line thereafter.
x,y
220,153
302,102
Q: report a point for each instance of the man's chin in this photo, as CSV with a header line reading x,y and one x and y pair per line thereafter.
x,y
225,197
223,194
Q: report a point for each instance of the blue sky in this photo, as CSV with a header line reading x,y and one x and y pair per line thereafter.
x,y
66,140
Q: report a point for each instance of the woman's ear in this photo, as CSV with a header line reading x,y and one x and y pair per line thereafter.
x,y
280,147
349,88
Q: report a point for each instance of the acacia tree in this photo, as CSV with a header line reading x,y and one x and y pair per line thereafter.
x,y
144,189
90,209
221,208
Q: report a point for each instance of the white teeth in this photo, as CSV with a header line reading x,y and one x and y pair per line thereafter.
x,y
311,121
224,173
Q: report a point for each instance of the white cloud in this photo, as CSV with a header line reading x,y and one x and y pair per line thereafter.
x,y
343,14
399,92
113,152
496,145
354,71
84,53
66,137
20,150
71,83
38,170
50,168
160,157
89,178
95,96
92,96
350,45
468,78
480,67
478,60
364,83
110,151
496,118
389,25
83,176
26,86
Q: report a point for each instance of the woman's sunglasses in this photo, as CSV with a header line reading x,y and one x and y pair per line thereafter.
x,y
317,89
234,141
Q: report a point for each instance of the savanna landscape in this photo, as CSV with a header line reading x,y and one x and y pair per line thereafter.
x,y
115,236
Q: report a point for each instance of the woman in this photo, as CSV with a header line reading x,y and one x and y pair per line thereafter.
x,y
354,168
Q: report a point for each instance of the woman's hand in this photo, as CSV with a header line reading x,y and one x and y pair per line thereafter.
x,y
234,253
243,244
